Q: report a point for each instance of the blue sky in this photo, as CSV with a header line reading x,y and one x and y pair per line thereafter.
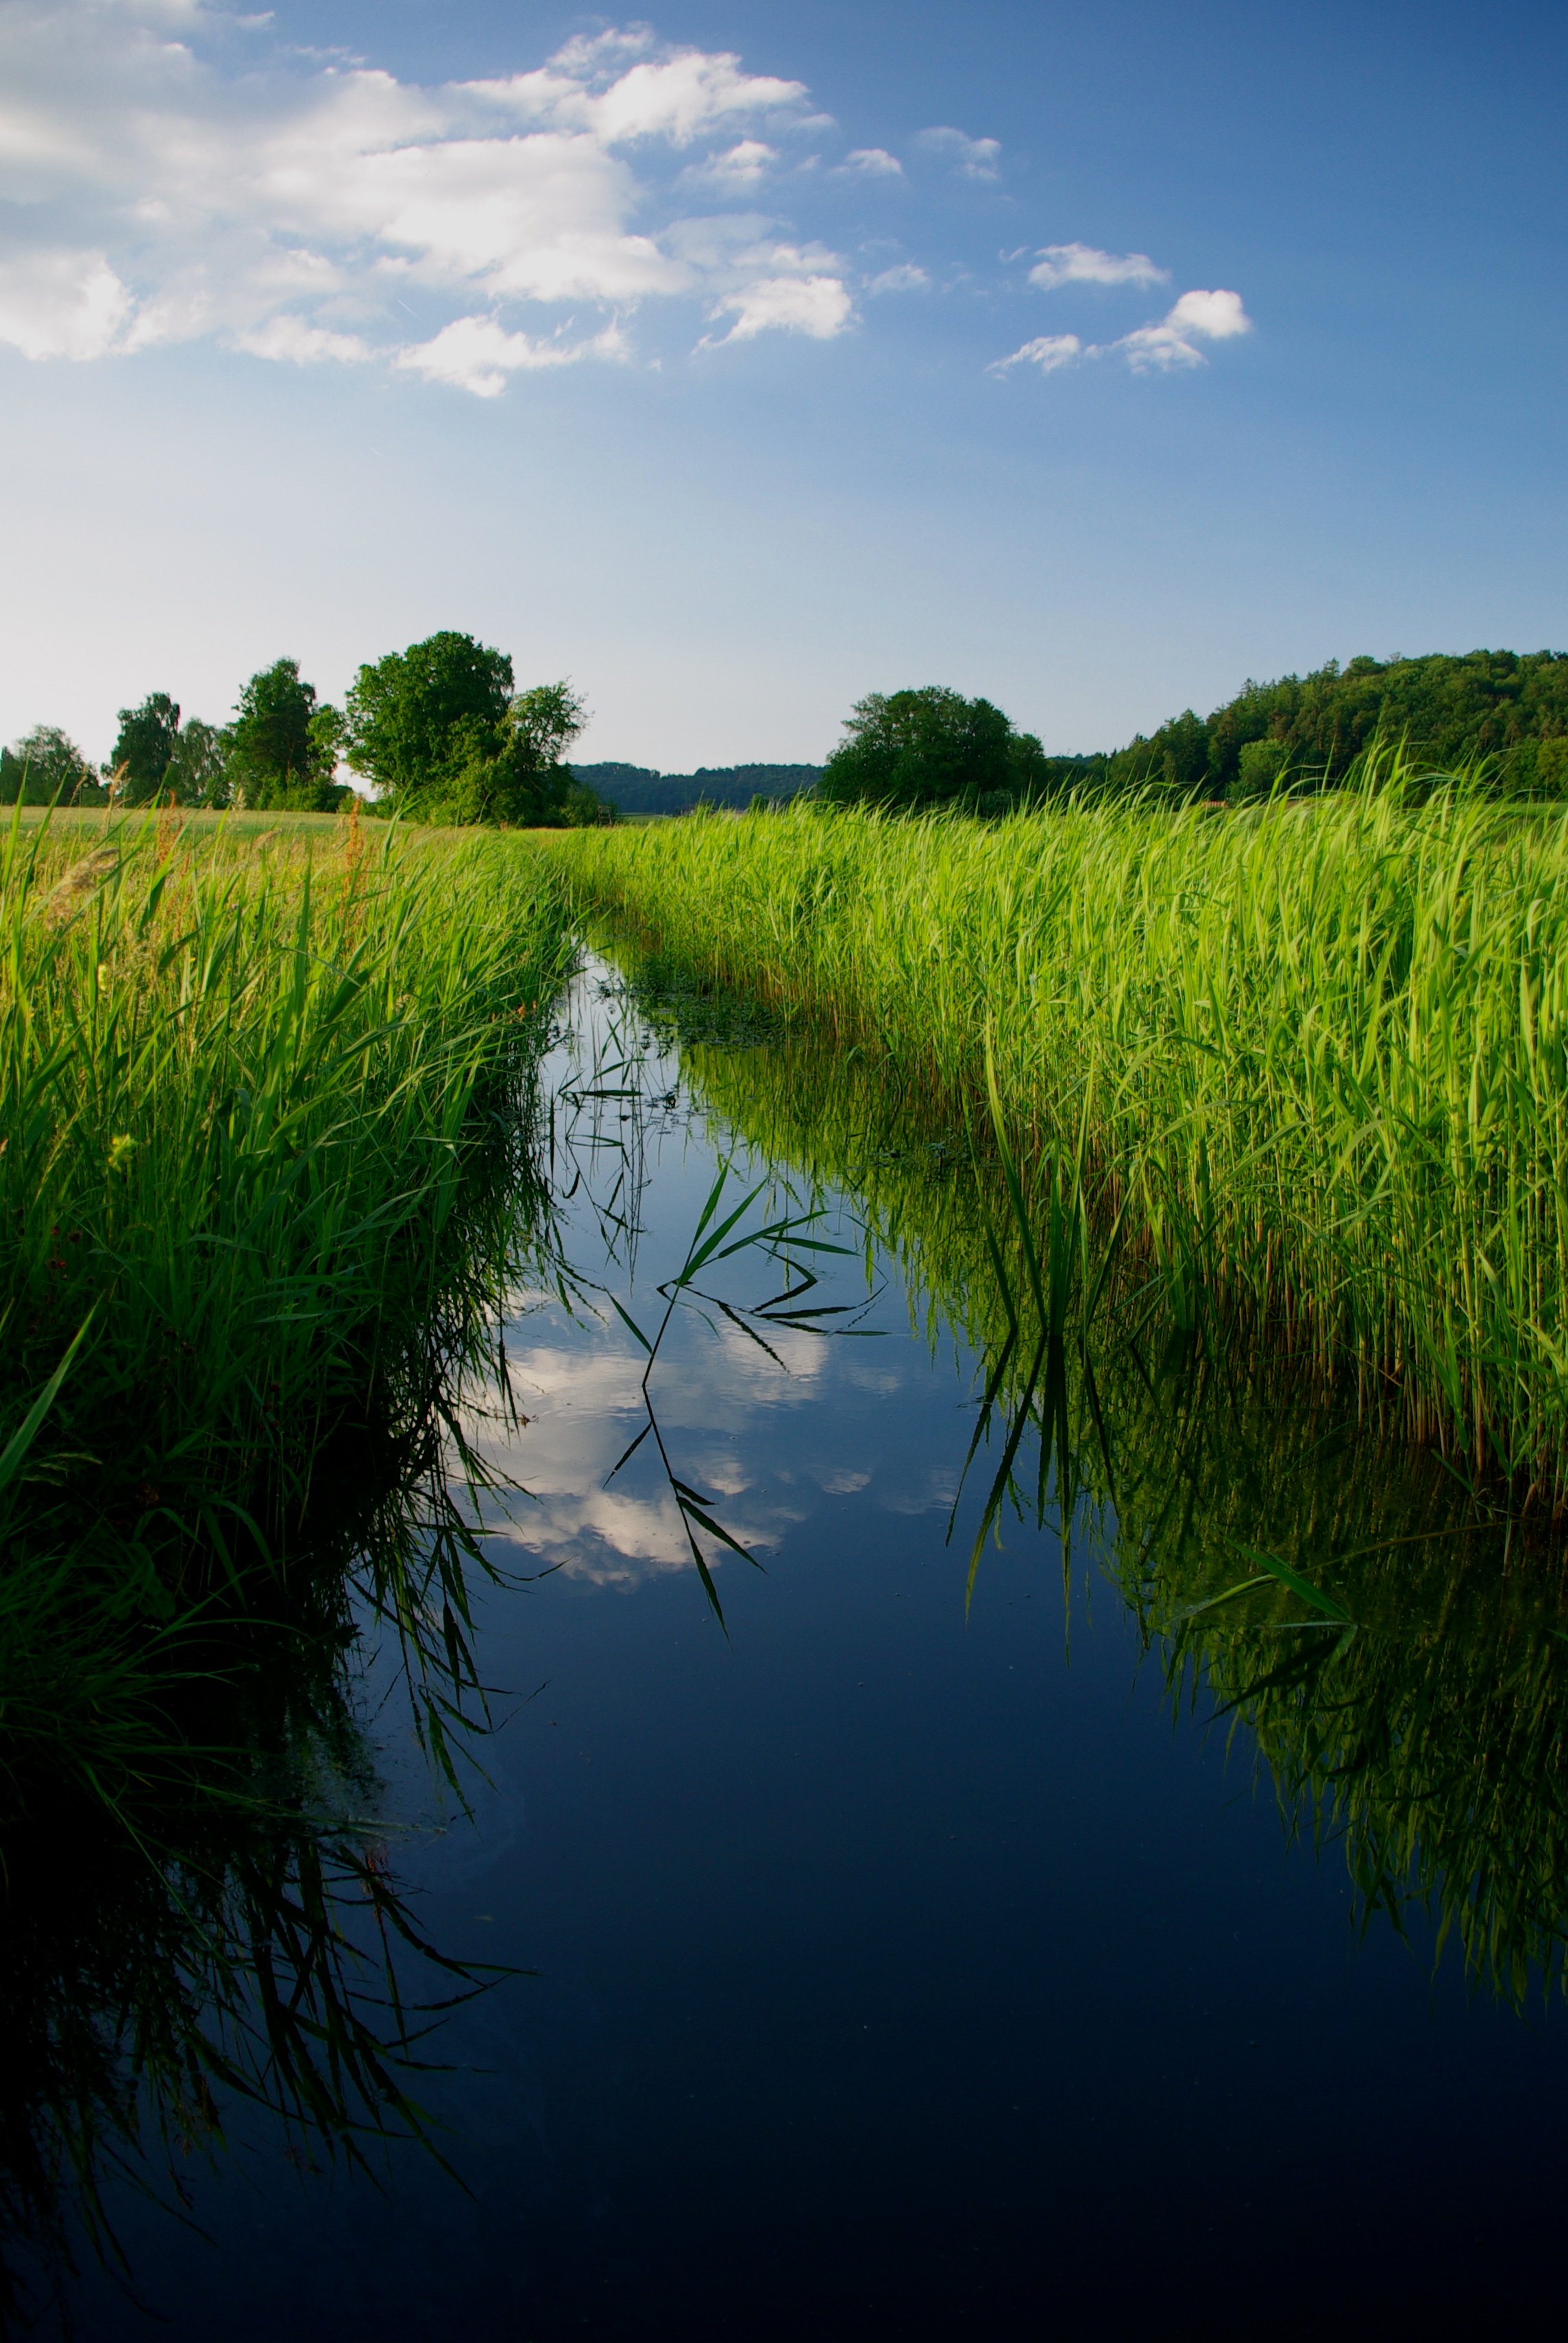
x,y
744,359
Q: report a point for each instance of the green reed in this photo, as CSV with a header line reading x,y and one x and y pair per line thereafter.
x,y
1314,1054
253,1087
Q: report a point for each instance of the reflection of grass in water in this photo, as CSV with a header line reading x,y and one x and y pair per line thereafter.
x,y
199,1909
684,1007
202,1913
1427,1733
268,1139
1320,1053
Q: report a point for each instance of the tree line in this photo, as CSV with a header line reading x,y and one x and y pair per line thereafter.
x,y
1504,713
441,735
440,731
1508,709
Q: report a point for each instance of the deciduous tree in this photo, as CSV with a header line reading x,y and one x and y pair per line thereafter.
x,y
911,749
283,746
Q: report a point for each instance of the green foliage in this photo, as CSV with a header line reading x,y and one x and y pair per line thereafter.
x,y
284,747
1501,706
440,731
197,772
907,751
417,719
269,1179
45,768
143,748
520,781
156,758
1260,768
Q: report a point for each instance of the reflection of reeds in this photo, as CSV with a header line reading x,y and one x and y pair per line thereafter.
x,y
268,1173
1321,1064
1398,1654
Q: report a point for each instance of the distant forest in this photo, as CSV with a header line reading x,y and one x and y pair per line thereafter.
x,y
636,788
1507,707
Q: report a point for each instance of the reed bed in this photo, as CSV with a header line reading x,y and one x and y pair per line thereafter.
x,y
252,1087
1311,1058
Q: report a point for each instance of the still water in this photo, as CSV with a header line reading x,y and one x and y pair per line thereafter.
x,y
900,1956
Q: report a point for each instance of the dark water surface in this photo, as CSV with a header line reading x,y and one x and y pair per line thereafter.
x,y
895,1969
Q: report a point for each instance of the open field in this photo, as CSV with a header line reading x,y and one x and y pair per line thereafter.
x,y
1312,1061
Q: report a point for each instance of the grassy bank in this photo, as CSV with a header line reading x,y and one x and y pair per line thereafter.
x,y
1312,1061
258,1091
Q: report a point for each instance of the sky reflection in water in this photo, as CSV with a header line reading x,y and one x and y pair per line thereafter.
x,y
894,1970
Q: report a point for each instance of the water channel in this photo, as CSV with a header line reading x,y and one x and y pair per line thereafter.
x,y
906,1950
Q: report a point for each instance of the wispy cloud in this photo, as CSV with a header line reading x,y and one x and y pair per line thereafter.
x,y
815,305
478,353
1169,344
1047,351
975,158
907,277
741,167
872,163
1083,264
158,196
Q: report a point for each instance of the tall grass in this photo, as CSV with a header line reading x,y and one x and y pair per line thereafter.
x,y
250,1091
1313,1057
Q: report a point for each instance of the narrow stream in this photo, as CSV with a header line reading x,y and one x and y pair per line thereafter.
x,y
896,1962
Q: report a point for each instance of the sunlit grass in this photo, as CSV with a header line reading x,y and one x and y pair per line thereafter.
x,y
254,1082
1315,1054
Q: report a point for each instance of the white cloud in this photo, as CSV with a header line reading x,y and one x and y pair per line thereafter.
x,y
157,194
478,353
61,305
1170,344
290,337
740,166
907,277
817,306
1197,317
872,162
976,158
1082,264
1047,351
